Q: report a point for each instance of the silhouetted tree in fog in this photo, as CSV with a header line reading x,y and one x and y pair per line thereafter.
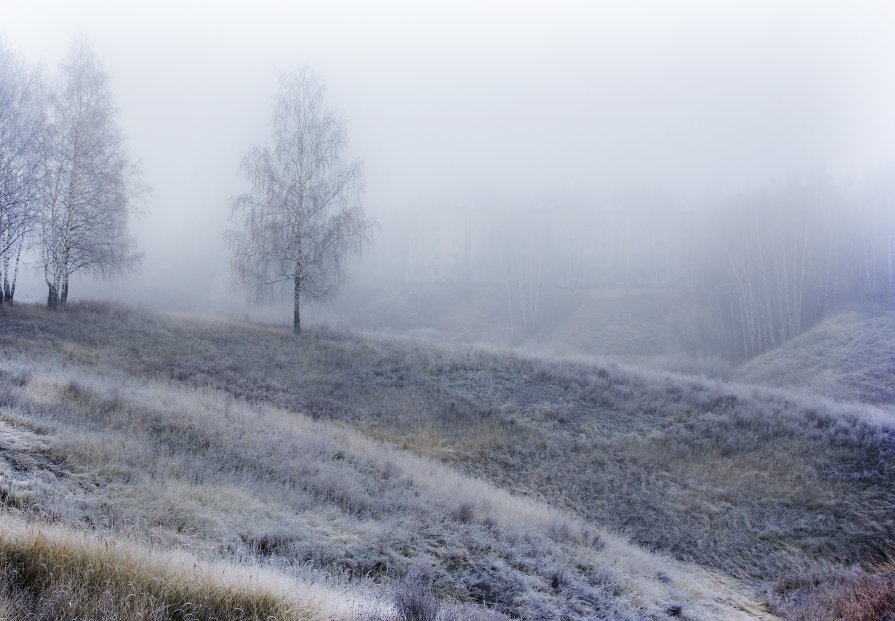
x,y
523,267
89,180
303,214
22,126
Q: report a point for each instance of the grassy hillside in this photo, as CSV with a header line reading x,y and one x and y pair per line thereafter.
x,y
350,466
849,356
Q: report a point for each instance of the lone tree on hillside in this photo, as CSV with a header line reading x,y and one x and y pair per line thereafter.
x,y
22,131
303,215
89,181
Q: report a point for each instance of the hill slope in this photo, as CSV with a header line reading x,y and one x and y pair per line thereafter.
x,y
346,464
849,357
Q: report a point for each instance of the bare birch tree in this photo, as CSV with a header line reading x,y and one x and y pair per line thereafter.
x,y
303,215
22,125
523,268
89,181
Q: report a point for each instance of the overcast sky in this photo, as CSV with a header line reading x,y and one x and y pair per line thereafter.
x,y
456,98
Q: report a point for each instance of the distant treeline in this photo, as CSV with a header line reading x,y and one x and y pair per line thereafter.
x,y
746,272
774,262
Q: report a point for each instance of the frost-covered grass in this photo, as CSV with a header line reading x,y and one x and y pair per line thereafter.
x,y
852,595
513,481
195,468
51,572
849,356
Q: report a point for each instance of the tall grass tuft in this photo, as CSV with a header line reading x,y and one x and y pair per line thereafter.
x,y
415,602
50,574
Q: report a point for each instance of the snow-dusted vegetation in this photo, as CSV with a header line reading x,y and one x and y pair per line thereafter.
x,y
349,467
591,311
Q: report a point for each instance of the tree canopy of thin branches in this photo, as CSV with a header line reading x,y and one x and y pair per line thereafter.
x,y
303,215
90,182
22,133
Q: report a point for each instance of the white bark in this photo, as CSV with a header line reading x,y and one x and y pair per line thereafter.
x,y
90,182
22,130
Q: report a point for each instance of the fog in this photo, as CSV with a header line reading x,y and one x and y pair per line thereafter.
x,y
447,310
574,109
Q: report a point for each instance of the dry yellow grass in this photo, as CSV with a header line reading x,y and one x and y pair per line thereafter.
x,y
55,573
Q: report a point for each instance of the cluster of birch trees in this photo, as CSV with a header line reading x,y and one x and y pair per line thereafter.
x,y
777,261
67,184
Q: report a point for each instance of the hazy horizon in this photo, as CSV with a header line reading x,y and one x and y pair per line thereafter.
x,y
449,102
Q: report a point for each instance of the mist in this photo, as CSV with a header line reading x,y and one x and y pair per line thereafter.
x,y
501,112
381,311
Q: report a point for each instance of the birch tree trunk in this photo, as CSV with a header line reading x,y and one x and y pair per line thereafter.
x,y
296,308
